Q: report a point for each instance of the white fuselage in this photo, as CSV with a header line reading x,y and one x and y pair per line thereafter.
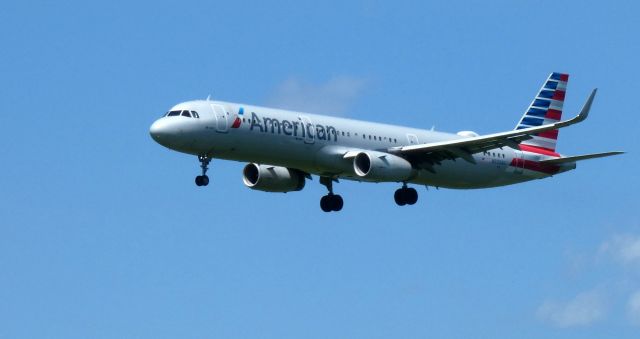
x,y
317,144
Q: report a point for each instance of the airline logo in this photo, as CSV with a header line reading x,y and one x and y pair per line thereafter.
x,y
238,121
295,128
545,109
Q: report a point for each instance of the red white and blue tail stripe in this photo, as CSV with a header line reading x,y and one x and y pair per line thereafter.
x,y
545,109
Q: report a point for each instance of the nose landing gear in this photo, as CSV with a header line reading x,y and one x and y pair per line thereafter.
x,y
203,180
405,195
330,202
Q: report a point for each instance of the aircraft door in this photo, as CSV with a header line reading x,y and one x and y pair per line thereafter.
x,y
309,130
221,115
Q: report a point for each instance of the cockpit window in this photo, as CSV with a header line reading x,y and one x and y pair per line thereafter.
x,y
195,114
186,114
173,113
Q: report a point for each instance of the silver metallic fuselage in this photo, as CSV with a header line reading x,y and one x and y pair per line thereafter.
x,y
316,144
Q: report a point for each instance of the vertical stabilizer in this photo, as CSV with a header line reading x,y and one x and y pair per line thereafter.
x,y
545,109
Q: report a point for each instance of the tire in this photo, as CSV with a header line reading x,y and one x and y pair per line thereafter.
x,y
199,181
325,203
205,180
411,195
400,197
337,203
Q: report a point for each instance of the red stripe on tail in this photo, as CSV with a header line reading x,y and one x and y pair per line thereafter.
x,y
535,166
539,150
558,95
553,114
553,134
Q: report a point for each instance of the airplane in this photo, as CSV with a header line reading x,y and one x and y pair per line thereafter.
x,y
285,148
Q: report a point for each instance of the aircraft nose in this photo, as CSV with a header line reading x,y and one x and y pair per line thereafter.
x,y
160,131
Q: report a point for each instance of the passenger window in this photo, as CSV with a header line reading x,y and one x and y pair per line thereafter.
x,y
186,114
173,113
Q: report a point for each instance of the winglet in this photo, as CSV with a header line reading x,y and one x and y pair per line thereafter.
x,y
582,116
584,113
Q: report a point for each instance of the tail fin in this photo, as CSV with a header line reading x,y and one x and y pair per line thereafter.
x,y
546,108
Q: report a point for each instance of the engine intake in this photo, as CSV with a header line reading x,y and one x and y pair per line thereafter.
x,y
269,178
380,166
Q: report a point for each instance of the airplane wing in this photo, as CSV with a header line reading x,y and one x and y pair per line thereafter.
x,y
432,153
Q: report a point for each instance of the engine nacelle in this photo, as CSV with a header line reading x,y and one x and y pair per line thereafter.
x,y
380,166
272,178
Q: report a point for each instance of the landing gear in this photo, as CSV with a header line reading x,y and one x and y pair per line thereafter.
x,y
406,195
330,202
203,180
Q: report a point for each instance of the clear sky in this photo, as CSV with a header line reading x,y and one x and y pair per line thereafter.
x,y
103,233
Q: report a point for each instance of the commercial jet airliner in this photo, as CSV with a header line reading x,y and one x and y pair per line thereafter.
x,y
284,148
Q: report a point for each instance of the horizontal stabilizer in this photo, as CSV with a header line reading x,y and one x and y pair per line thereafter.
x,y
579,157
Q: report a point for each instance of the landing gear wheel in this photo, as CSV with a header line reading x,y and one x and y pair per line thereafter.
x,y
331,202
337,203
411,196
325,203
399,197
202,180
405,196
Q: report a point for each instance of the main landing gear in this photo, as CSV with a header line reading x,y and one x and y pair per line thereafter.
x,y
406,195
203,180
330,202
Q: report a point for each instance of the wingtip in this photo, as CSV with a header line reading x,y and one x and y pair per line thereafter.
x,y
584,113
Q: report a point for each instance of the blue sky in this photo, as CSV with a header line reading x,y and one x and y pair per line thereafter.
x,y
103,233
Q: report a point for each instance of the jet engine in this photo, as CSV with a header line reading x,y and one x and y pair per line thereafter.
x,y
272,178
380,166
